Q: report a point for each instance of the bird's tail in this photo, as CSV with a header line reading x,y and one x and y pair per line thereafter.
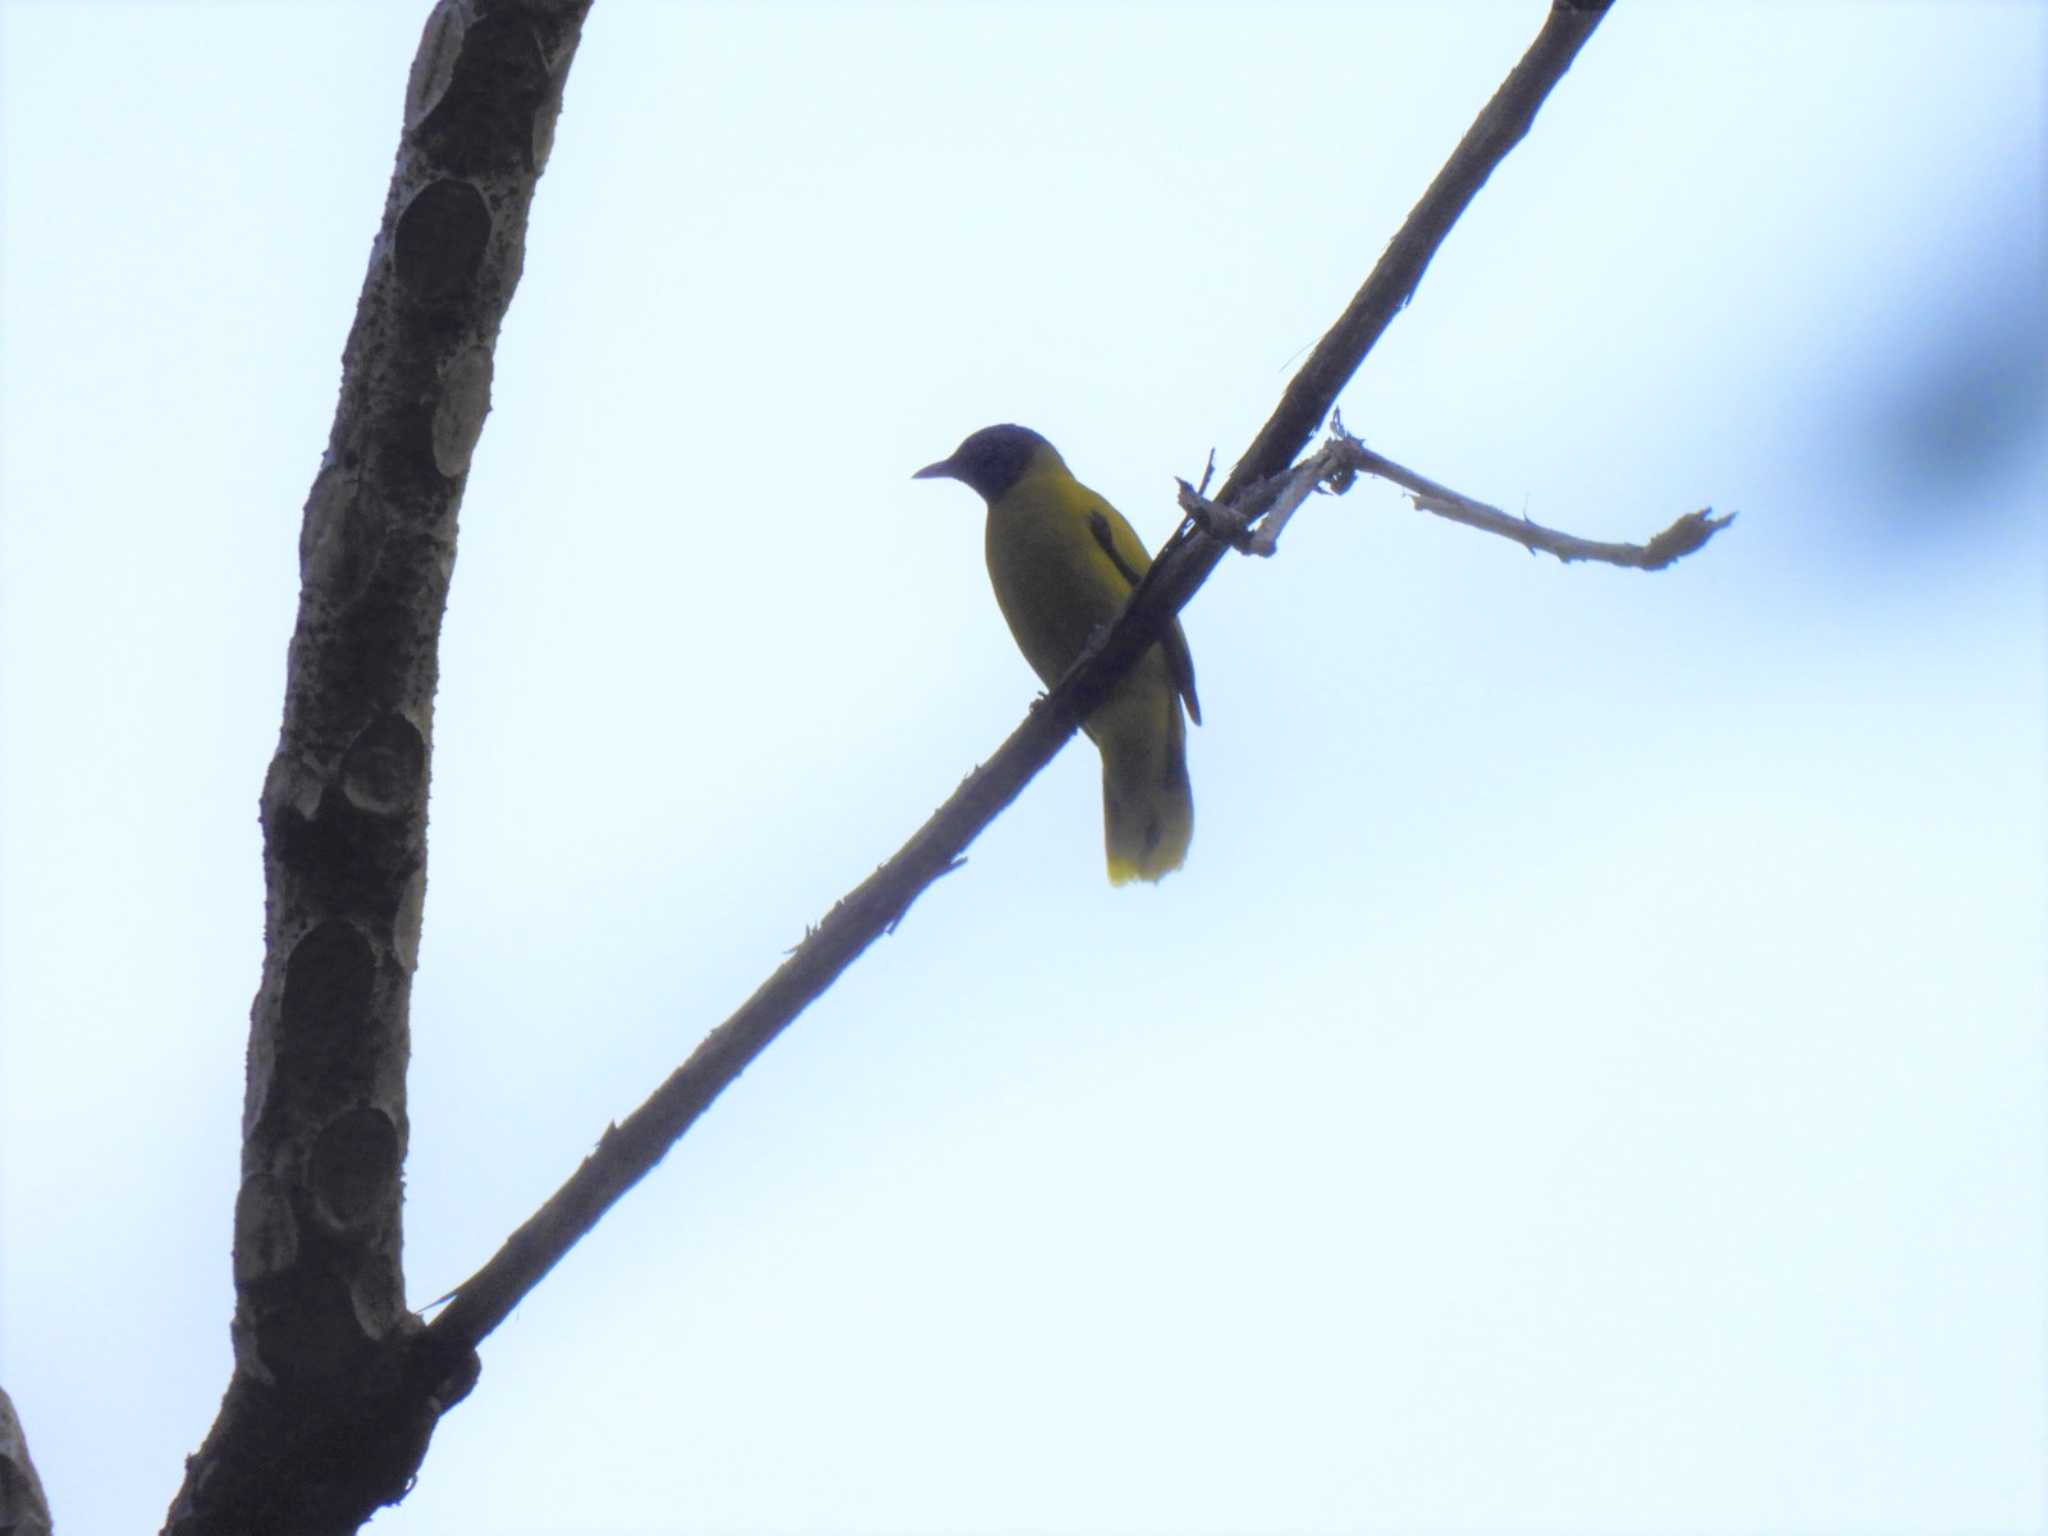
x,y
1148,810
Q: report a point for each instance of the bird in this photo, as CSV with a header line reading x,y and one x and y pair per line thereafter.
x,y
1062,561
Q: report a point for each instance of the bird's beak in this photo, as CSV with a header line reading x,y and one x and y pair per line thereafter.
x,y
943,470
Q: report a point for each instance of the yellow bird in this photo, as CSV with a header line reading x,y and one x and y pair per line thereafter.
x,y
1063,560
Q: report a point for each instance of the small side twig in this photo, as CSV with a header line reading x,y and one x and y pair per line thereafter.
x,y
1270,504
1221,523
1683,537
1335,466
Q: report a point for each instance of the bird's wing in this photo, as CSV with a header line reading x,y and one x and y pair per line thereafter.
x,y
1119,541
1130,560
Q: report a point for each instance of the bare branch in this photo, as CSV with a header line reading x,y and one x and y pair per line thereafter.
x,y
629,1150
1334,465
1685,535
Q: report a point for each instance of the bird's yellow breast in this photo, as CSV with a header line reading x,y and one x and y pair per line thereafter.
x,y
1053,580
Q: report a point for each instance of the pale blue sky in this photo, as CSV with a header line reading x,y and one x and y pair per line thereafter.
x,y
1590,1073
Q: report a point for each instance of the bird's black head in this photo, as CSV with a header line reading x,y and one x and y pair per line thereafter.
x,y
990,461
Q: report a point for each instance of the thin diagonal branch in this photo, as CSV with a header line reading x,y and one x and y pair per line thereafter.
x,y
629,1150
1312,393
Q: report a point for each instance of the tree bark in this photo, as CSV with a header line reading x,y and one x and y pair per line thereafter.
x,y
332,1399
